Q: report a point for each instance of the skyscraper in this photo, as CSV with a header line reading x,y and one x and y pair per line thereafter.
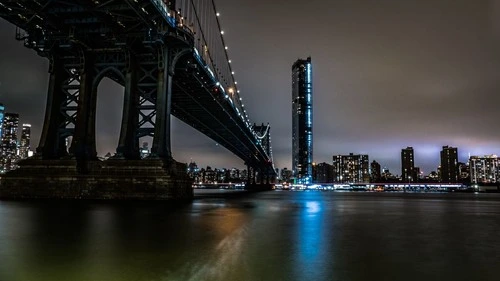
x,y
407,165
302,121
375,174
24,145
449,164
351,168
2,111
9,141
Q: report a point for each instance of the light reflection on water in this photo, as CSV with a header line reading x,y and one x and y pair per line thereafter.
x,y
267,236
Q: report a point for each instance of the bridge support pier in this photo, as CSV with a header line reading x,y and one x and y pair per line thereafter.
x,y
71,111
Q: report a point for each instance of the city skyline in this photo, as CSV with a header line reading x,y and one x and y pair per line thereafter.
x,y
415,84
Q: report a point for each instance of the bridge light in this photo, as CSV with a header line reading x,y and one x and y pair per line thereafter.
x,y
235,83
222,32
232,72
218,14
229,61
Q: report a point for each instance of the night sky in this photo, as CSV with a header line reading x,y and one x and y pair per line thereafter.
x,y
387,74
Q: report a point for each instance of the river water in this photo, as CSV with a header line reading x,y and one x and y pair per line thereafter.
x,y
277,235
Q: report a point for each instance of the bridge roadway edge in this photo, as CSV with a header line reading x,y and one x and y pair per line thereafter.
x,y
113,179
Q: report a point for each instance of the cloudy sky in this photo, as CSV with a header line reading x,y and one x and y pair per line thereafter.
x,y
387,74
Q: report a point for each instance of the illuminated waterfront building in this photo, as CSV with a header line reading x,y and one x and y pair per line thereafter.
x,y
351,168
408,165
302,121
2,113
9,142
24,144
484,169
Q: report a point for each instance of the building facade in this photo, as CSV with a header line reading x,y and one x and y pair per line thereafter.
x,y
302,121
484,169
2,114
24,144
408,165
351,168
9,156
449,164
375,172
322,173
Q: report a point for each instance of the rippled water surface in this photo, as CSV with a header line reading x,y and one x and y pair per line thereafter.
x,y
266,236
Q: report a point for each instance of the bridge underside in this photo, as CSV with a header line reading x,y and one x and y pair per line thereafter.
x,y
156,60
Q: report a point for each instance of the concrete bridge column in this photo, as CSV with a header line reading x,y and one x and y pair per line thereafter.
x,y
83,146
128,146
161,142
52,143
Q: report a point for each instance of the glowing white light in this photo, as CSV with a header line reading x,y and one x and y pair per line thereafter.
x,y
218,14
222,32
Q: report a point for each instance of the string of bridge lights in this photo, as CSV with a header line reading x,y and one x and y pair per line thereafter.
x,y
239,99
226,48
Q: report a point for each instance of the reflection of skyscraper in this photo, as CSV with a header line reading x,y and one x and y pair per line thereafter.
x,y
407,165
9,141
302,142
24,145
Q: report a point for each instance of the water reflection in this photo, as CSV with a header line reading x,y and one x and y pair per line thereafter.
x,y
266,236
312,261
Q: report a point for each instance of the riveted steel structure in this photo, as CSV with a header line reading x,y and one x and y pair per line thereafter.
x,y
171,58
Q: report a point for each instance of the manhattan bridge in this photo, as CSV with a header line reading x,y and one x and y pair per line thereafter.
x,y
171,59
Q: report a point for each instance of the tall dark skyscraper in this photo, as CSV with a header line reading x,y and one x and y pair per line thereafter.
x,y
375,173
449,164
302,121
407,165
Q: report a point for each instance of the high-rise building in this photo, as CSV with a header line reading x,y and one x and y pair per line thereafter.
x,y
24,144
407,165
9,141
302,121
351,168
2,113
484,169
322,173
449,164
375,173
